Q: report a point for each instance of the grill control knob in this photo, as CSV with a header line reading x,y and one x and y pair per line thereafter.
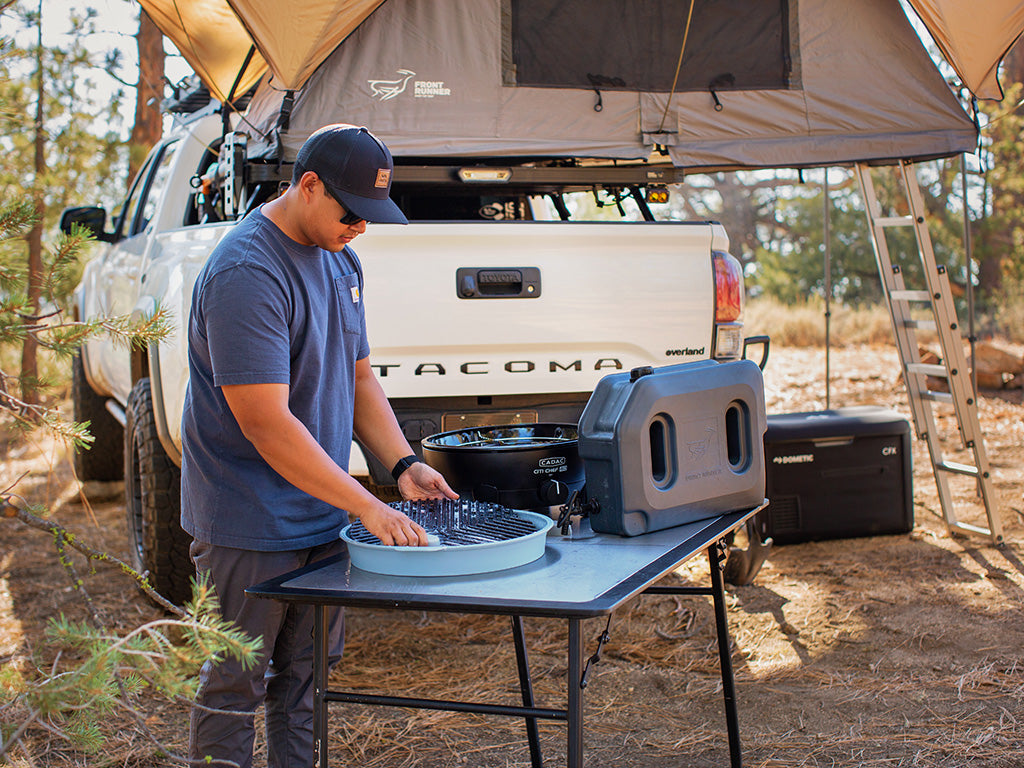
x,y
552,492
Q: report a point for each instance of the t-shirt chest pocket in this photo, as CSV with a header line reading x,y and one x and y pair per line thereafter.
x,y
351,301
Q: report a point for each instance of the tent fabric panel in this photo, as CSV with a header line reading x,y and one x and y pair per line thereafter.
x,y
296,41
211,39
876,99
974,37
745,115
408,70
891,83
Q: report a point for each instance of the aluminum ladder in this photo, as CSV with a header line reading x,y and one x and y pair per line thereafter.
x,y
937,296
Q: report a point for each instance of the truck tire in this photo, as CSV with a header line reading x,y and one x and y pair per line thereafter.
x,y
152,488
102,460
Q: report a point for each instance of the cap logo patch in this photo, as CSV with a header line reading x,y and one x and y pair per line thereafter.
x,y
383,177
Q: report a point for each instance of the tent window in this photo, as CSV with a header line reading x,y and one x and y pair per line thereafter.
x,y
631,45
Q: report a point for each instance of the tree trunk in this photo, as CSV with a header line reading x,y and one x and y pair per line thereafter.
x,y
29,349
149,92
1013,64
997,234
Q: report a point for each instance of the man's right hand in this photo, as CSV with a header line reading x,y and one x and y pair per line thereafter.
x,y
392,527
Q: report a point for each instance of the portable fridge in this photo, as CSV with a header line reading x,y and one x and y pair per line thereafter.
x,y
837,474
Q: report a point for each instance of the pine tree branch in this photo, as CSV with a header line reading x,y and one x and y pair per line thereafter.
x,y
61,534
60,543
33,415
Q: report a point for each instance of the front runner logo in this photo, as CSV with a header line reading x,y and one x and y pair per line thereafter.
x,y
385,90
428,89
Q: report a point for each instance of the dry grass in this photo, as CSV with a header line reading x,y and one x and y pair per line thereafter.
x,y
804,325
1009,312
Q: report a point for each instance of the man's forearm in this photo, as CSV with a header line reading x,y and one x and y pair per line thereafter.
x,y
374,421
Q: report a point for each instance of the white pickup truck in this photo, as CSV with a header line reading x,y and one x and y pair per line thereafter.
x,y
479,311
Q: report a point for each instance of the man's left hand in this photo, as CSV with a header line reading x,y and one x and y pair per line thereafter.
x,y
421,481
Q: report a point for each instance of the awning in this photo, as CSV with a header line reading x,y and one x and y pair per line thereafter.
x,y
291,39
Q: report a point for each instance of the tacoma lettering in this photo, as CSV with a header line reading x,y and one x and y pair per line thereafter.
x,y
519,366
574,366
429,368
478,367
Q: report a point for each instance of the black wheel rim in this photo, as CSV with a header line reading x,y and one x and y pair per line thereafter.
x,y
133,482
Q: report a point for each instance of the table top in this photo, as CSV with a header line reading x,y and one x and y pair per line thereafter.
x,y
573,578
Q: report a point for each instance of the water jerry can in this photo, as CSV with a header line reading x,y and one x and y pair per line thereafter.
x,y
670,445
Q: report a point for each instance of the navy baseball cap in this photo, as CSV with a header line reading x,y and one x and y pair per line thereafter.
x,y
356,168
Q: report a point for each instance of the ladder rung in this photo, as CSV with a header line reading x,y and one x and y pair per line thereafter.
x,y
957,469
938,397
894,221
910,296
968,528
928,369
922,325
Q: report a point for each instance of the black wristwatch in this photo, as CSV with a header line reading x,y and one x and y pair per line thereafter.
x,y
403,464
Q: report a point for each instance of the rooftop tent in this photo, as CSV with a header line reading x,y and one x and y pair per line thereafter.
x,y
761,84
855,81
972,42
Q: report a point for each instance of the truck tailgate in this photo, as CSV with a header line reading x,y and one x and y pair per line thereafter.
x,y
611,296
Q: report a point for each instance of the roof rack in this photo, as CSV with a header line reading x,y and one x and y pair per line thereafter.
x,y
188,95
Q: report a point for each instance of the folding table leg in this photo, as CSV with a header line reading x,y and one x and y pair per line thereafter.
x,y
526,687
724,654
319,686
574,751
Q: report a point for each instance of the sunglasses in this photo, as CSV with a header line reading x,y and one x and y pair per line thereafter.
x,y
349,219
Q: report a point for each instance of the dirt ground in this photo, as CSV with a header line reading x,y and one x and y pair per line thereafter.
x,y
888,651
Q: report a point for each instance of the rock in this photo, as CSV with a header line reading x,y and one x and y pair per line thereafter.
x,y
997,368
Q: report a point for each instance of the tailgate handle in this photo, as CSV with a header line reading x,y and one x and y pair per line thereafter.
x,y
497,283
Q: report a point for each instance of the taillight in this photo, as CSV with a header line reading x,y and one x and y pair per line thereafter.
x,y
728,287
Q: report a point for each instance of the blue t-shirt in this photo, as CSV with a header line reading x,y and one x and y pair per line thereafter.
x,y
268,310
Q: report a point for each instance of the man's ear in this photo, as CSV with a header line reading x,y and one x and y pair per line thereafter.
x,y
308,185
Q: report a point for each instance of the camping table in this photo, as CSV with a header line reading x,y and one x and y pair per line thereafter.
x,y
575,579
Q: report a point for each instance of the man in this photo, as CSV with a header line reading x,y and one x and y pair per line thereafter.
x,y
279,381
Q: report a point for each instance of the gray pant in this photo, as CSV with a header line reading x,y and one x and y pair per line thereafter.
x,y
281,679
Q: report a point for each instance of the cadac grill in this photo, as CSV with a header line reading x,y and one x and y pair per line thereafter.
x,y
456,523
466,537
522,466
